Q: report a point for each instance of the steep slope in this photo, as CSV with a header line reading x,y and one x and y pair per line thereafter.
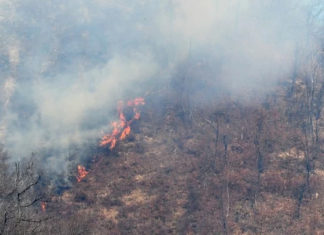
x,y
229,168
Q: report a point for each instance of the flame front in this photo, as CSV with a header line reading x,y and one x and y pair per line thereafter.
x,y
122,129
82,172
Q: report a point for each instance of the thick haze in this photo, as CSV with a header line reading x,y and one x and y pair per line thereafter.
x,y
64,64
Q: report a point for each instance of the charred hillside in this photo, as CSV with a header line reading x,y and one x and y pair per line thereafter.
x,y
227,168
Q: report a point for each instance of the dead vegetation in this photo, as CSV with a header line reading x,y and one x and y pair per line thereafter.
x,y
229,169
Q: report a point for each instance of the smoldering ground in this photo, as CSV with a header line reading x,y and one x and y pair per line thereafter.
x,y
64,64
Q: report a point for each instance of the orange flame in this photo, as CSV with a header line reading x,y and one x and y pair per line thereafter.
x,y
125,133
111,139
43,206
113,143
82,172
122,128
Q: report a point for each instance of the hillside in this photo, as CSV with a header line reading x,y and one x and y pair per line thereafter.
x,y
161,117
229,168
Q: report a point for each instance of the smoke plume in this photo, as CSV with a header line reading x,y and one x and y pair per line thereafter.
x,y
65,64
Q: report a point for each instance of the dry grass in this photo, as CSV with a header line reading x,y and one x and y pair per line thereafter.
x,y
136,197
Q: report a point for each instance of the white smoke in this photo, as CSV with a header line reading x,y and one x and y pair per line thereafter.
x,y
73,60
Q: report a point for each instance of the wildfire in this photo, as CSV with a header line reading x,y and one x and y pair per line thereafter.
x,y
43,206
82,172
121,128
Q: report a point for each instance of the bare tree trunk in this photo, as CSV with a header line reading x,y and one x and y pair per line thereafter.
x,y
225,189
